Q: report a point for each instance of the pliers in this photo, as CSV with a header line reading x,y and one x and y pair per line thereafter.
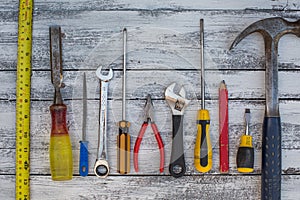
x,y
148,117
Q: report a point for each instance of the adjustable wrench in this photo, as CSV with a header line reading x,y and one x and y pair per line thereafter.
x,y
177,103
101,168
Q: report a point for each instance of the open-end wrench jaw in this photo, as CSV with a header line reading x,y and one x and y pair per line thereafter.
x,y
103,77
177,102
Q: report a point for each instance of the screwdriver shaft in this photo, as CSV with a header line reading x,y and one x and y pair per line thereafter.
x,y
124,74
84,107
203,148
202,64
123,139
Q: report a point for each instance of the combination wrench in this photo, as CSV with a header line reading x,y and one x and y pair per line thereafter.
x,y
101,168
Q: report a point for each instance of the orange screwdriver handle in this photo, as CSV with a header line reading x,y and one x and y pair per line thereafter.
x,y
123,145
61,159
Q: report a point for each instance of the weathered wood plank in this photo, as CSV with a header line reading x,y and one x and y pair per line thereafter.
x,y
179,6
148,161
40,128
150,187
40,120
166,5
169,39
241,84
163,36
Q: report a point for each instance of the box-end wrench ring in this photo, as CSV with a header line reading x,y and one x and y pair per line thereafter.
x,y
101,168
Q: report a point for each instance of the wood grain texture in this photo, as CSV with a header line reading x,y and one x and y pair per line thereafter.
x,y
163,47
151,187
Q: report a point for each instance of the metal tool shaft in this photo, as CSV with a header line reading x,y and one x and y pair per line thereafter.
x,y
101,154
202,64
56,62
84,108
124,74
247,120
84,153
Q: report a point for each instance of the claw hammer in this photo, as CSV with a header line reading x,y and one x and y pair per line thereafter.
x,y
272,29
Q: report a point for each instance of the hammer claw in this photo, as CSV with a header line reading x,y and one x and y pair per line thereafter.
x,y
272,27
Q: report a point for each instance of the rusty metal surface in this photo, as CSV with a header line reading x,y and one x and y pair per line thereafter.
x,y
272,29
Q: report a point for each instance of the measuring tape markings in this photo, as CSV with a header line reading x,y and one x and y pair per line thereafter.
x,y
23,100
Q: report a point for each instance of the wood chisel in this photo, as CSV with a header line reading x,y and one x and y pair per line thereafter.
x,y
23,85
61,159
84,153
203,148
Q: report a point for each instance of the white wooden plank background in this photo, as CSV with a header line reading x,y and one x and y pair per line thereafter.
x,y
163,47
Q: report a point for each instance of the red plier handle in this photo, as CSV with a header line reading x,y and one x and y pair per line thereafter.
x,y
159,142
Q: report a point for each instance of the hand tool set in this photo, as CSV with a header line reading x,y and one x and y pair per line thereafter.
x,y
60,150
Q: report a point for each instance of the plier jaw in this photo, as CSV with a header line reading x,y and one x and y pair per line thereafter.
x,y
148,110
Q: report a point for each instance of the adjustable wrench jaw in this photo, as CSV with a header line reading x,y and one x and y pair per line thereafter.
x,y
177,102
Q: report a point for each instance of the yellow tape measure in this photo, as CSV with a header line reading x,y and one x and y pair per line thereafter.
x,y
23,100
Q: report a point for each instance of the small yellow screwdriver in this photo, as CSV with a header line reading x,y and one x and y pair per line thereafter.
x,y
203,148
245,154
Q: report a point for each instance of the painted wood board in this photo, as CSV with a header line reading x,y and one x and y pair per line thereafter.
x,y
163,46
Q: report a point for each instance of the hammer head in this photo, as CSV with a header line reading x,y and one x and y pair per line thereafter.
x,y
177,102
270,28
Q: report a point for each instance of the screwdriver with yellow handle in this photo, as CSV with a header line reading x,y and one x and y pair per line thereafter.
x,y
123,139
61,159
203,148
245,154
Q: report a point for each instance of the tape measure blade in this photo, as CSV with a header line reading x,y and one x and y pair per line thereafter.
x,y
23,100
